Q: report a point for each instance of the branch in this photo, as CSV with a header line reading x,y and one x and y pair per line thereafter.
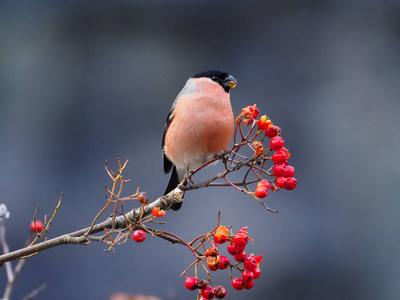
x,y
80,237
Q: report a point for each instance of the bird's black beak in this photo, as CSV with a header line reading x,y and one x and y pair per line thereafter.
x,y
230,82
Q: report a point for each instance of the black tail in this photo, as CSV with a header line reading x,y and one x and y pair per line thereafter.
x,y
173,183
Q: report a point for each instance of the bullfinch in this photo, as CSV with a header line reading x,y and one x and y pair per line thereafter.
x,y
199,125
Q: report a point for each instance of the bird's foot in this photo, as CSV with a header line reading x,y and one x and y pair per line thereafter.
x,y
221,156
189,178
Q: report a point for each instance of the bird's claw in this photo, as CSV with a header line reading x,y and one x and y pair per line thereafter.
x,y
221,155
189,180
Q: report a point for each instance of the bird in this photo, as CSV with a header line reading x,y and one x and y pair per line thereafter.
x,y
199,125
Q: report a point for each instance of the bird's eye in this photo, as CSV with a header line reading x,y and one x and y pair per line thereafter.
x,y
214,78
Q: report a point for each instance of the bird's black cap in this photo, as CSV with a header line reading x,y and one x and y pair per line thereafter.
x,y
223,78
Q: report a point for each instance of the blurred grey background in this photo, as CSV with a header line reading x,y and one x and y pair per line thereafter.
x,y
86,81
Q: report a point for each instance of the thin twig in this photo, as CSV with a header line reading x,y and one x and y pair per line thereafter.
x,y
35,292
47,226
6,250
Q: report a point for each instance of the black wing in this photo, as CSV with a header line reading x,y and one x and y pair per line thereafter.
x,y
166,162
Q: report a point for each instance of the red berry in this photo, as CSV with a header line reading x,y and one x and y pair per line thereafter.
x,y
240,239
264,123
208,292
223,262
39,226
191,283
233,249
264,183
281,182
248,284
247,276
279,157
220,292
291,183
256,272
241,256
221,235
276,143
289,171
139,236
272,131
250,263
238,284
279,170
261,192
218,239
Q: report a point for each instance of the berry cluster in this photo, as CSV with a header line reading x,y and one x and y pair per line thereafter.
x,y
215,261
281,170
283,173
251,269
206,291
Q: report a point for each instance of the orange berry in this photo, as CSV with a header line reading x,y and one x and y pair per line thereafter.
x,y
157,212
264,123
